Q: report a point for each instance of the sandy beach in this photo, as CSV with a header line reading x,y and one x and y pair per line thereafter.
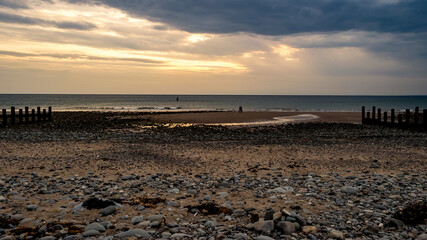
x,y
317,179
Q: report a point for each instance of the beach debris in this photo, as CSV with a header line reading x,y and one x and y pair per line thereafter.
x,y
208,209
413,214
147,202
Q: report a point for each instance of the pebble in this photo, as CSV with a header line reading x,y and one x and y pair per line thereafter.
x,y
108,211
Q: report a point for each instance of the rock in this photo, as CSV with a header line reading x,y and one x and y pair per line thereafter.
x,y
91,233
174,191
2,199
27,224
157,217
422,237
350,190
31,207
277,216
269,214
262,237
264,226
281,190
334,234
309,229
108,211
95,226
178,236
139,233
286,228
395,223
241,236
370,228
210,224
172,204
48,238
137,219
73,237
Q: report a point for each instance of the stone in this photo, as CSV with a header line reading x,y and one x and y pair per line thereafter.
x,y
172,204
210,224
281,190
262,237
286,228
269,214
264,226
157,217
73,237
91,233
137,219
95,226
309,229
48,238
241,236
334,234
396,223
422,237
2,199
139,233
31,207
349,190
277,216
108,210
178,236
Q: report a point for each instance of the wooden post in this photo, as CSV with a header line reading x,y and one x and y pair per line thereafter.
x,y
407,117
385,118
368,118
33,115
49,114
363,115
379,115
39,114
27,115
12,115
44,118
424,118
4,118
373,114
399,120
20,116
392,116
416,116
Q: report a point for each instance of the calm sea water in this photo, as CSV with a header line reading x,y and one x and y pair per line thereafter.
x,y
211,102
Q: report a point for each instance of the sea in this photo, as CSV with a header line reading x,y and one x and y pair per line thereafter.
x,y
107,102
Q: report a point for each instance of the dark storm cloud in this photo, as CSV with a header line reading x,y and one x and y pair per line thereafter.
x,y
279,17
18,19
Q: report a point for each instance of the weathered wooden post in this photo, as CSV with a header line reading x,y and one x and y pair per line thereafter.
x,y
379,116
407,117
44,115
12,115
4,117
373,114
27,115
39,114
392,117
385,118
363,115
49,114
20,116
399,120
33,115
416,116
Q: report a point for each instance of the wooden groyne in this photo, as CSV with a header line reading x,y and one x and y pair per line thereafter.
x,y
25,116
401,119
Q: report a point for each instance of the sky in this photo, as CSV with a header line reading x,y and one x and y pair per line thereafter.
x,y
284,47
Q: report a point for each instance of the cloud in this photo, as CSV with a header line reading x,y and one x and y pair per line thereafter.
x,y
18,19
13,4
277,17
